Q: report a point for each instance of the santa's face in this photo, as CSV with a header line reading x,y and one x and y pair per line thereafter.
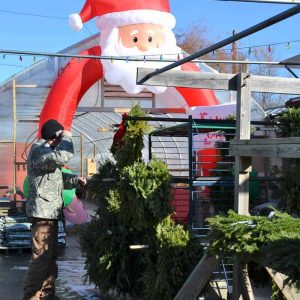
x,y
140,41
142,36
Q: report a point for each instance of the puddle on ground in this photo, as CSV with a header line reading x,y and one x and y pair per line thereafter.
x,y
70,282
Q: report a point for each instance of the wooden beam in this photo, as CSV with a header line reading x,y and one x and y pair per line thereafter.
x,y
220,81
198,278
25,85
6,142
290,293
193,79
275,85
280,147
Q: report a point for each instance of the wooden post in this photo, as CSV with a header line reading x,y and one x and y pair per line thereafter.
x,y
81,154
242,288
246,286
242,164
14,138
242,167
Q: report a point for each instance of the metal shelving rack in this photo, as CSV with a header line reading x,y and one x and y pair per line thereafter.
x,y
196,153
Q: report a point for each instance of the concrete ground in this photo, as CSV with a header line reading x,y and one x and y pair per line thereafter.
x,y
70,283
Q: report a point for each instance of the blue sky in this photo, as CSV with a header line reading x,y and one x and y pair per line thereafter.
x,y
42,26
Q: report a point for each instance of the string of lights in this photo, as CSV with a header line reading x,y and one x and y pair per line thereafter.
x,y
150,58
287,44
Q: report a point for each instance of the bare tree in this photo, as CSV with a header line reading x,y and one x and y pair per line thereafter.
x,y
266,100
196,38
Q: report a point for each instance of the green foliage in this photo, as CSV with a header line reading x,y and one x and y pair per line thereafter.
x,y
289,123
276,240
289,126
290,185
134,209
169,235
172,261
135,130
276,292
145,194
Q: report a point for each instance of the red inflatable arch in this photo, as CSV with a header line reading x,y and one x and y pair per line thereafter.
x,y
78,76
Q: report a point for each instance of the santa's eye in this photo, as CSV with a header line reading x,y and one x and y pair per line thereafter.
x,y
135,39
150,39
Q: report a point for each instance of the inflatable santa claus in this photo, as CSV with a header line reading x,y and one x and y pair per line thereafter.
x,y
129,28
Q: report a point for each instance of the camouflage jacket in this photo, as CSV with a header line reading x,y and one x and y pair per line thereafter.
x,y
46,180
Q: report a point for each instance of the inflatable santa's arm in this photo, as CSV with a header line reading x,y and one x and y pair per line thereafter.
x,y
68,89
196,97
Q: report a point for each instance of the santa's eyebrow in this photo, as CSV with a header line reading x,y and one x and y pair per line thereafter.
x,y
152,32
133,32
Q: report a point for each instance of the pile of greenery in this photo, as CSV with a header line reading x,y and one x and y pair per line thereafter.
x,y
272,241
132,247
289,126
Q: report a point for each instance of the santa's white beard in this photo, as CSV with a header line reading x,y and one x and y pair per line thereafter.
x,y
123,73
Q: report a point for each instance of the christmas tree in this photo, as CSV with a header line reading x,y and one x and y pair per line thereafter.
x,y
132,246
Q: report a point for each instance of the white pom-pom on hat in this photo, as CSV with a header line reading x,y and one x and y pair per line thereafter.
x,y
75,22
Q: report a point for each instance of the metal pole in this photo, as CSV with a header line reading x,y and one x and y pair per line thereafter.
x,y
191,179
262,25
14,138
291,71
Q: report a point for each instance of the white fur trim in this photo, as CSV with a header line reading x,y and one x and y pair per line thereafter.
x,y
139,16
75,22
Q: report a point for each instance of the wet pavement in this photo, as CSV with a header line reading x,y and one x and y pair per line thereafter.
x,y
71,279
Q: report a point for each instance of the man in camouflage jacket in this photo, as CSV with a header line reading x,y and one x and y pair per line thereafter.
x,y
44,205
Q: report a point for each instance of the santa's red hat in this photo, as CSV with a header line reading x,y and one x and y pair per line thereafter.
x,y
115,13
